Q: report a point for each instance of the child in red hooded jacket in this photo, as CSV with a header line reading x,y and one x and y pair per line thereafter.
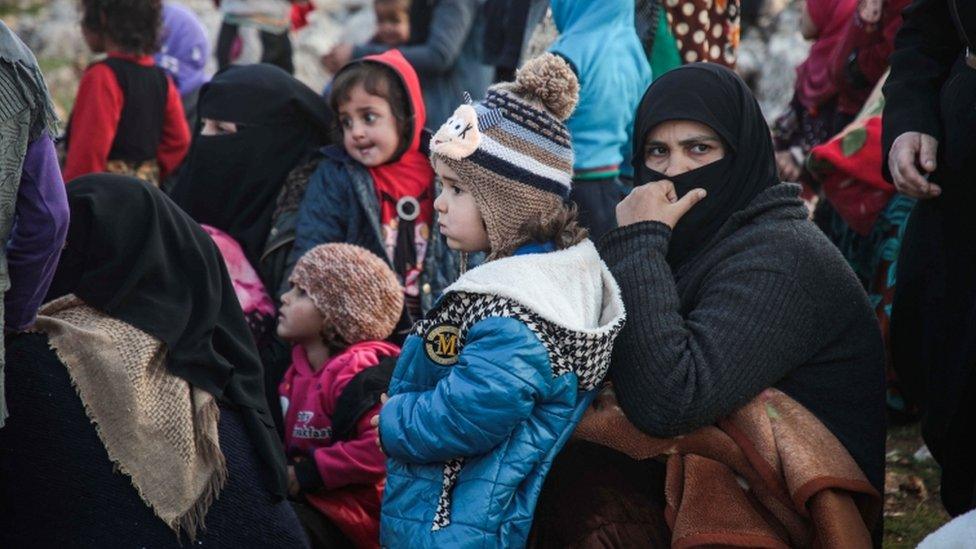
x,y
343,301
376,188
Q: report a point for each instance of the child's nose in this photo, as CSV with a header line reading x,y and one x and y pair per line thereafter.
x,y
440,204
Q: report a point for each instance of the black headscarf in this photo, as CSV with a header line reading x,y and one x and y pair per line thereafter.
x,y
232,181
137,257
715,96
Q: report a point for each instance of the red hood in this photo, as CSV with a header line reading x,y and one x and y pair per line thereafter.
x,y
396,61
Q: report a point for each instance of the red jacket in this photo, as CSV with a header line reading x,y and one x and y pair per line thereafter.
x,y
353,472
873,44
95,119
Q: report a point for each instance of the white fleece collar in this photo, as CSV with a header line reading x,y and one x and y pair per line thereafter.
x,y
572,288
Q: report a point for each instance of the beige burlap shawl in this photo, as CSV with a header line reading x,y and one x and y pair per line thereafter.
x,y
157,429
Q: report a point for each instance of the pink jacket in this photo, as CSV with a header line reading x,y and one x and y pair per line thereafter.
x,y
353,472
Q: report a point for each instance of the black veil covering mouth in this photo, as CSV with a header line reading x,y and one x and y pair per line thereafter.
x,y
715,96
232,181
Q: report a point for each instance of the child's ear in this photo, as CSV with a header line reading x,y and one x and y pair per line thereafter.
x,y
330,335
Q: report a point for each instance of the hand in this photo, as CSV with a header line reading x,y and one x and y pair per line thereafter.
x,y
375,421
293,487
656,201
787,166
337,58
869,10
910,150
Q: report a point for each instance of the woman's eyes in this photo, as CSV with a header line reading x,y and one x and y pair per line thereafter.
x,y
370,118
694,148
346,122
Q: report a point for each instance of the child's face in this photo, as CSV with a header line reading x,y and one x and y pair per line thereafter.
x,y
392,24
459,218
369,129
298,319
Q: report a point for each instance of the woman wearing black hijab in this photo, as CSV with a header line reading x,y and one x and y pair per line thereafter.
x,y
729,288
257,124
144,337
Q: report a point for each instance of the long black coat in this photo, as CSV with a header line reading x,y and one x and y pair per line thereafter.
x,y
58,487
933,91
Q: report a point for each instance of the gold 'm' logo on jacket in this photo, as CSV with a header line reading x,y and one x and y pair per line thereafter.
x,y
441,344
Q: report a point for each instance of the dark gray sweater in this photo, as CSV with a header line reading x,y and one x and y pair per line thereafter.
x,y
770,302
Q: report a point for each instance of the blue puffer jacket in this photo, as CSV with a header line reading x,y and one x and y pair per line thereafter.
x,y
486,392
340,205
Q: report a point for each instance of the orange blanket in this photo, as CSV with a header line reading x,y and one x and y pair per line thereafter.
x,y
769,475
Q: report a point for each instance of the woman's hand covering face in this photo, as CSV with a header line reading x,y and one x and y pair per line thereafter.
x,y
656,201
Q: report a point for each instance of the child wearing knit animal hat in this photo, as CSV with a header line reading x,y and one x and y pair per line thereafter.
x,y
344,300
492,382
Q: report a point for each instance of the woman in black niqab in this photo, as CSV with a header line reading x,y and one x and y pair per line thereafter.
x,y
740,294
134,255
714,96
232,181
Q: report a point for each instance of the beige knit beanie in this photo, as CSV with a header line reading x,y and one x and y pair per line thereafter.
x,y
513,150
356,292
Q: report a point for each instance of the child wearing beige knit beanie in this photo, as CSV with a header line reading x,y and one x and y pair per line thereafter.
x,y
493,381
343,302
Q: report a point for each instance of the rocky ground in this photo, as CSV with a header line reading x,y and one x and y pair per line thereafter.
x,y
769,53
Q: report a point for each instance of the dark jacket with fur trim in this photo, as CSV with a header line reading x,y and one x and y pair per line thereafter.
x,y
340,205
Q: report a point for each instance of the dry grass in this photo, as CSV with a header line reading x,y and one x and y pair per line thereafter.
x,y
912,508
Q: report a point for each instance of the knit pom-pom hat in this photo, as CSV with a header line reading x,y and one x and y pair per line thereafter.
x,y
355,291
513,150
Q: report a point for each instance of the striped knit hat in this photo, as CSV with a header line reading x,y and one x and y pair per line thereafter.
x,y
513,150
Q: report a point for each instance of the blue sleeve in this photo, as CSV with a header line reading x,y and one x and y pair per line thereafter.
x,y
321,217
450,23
502,371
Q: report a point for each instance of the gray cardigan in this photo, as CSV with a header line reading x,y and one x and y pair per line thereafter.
x,y
770,302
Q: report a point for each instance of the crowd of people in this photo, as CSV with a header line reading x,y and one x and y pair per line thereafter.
x,y
465,297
